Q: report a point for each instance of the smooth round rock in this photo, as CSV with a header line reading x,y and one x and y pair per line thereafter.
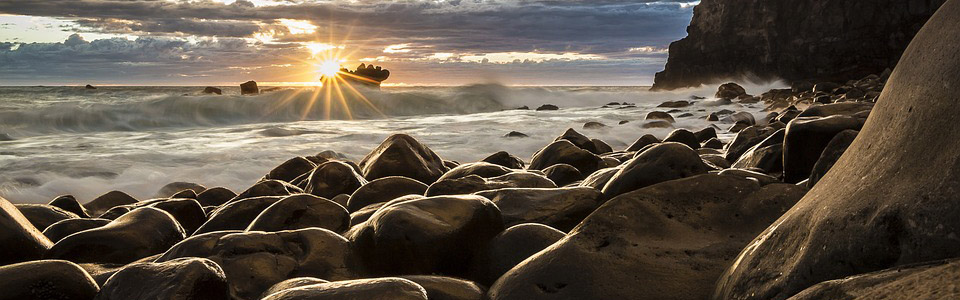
x,y
107,201
333,178
292,283
561,208
383,190
46,279
173,188
19,239
643,141
140,233
267,188
43,215
482,169
291,169
69,203
215,196
188,212
402,155
563,174
302,211
683,136
237,215
565,152
512,246
178,279
663,162
360,289
448,288
59,230
503,158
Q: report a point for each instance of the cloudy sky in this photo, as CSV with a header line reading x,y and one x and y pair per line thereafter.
x,y
422,42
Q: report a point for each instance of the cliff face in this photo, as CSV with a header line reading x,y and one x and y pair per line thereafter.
x,y
819,40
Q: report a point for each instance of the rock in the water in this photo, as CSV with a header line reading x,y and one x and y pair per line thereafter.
x,y
936,280
302,211
383,190
547,107
515,134
433,235
212,90
46,279
891,199
578,140
503,158
402,155
361,289
69,203
730,90
674,104
685,137
19,239
140,233
333,178
657,124
291,169
90,87
562,174
805,139
237,215
178,279
43,215
249,88
448,288
59,230
175,187
663,162
107,201
689,232
563,151
659,115
215,196
511,247
254,261
831,154
643,141
594,125
561,208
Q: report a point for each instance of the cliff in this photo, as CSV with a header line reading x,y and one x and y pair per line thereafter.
x,y
818,40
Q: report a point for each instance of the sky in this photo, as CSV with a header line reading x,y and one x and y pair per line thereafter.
x,y
422,42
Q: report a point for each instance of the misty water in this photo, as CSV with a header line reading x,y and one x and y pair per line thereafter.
x,y
69,140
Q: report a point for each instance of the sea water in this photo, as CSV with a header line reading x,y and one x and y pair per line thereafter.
x,y
85,142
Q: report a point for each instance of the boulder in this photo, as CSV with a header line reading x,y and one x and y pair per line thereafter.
x,y
302,211
934,280
515,134
254,261
43,215
504,159
713,143
643,141
267,188
766,155
547,107
685,137
663,162
19,239
212,90
512,246
384,189
763,179
474,183
402,155
657,124
675,104
389,288
833,109
578,140
215,196
107,201
601,146
482,169
730,90
90,87
889,201
715,161
831,154
562,174
745,139
249,88
175,187
594,125
805,139
706,134
689,232
59,230
561,208
565,152
659,115
70,204
188,212
333,178
448,288
600,178
291,169
237,215
140,233
46,279
292,283
432,235
178,279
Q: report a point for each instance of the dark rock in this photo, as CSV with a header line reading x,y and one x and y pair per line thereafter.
x,y
801,86
178,279
561,208
482,169
623,122
805,139
515,134
674,104
70,204
831,154
333,178
42,215
237,215
176,187
825,87
512,246
46,279
691,230
188,213
766,155
473,183
185,194
215,196
364,213
547,107
19,239
342,199
107,201
600,178
713,117
788,115
254,261
601,146
843,108
578,140
212,90
292,283
371,288
715,161
402,155
730,90
562,174
291,169
685,137
889,202
932,280
643,141
713,143
763,179
594,125
657,124
433,235
735,40
267,188
302,211
705,134
249,88
140,233
90,87
383,190
57,231
663,162
740,117
659,115
448,288
563,151
505,159
746,139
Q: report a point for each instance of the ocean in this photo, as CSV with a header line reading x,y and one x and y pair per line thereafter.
x,y
70,140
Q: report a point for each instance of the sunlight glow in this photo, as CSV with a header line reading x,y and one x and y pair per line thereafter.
x,y
329,68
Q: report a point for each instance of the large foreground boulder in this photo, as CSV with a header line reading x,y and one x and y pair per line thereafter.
x,y
384,189
19,240
662,162
511,247
140,233
389,288
670,240
402,155
46,279
565,152
890,200
937,280
302,211
178,279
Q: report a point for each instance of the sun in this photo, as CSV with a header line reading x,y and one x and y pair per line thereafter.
x,y
329,68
